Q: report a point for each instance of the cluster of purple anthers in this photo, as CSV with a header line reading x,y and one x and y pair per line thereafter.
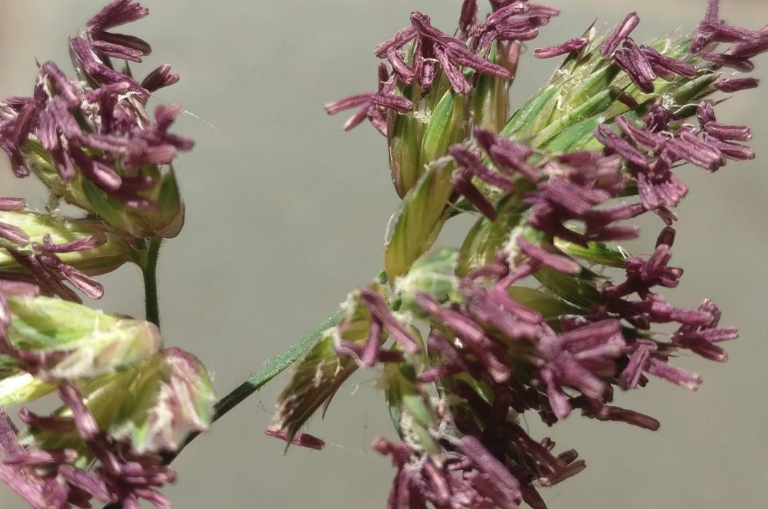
x,y
432,51
91,130
45,269
95,124
122,475
102,112
518,357
47,479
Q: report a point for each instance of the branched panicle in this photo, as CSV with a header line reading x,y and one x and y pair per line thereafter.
x,y
422,55
126,398
92,143
464,345
94,126
554,186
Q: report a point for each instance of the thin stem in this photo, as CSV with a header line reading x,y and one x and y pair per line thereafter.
x,y
149,270
260,378
273,368
270,370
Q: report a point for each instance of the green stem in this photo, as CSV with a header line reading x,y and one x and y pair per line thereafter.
x,y
273,368
149,270
270,370
260,378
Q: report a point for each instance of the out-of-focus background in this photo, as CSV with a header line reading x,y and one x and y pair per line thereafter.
x,y
287,213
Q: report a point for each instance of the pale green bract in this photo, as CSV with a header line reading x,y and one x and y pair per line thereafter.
x,y
107,257
74,343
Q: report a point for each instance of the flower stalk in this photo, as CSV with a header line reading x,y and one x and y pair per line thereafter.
x,y
260,378
149,271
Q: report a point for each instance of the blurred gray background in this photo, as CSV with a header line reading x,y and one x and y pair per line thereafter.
x,y
286,214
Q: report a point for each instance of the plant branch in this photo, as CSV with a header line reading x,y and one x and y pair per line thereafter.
x,y
149,270
270,370
261,377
